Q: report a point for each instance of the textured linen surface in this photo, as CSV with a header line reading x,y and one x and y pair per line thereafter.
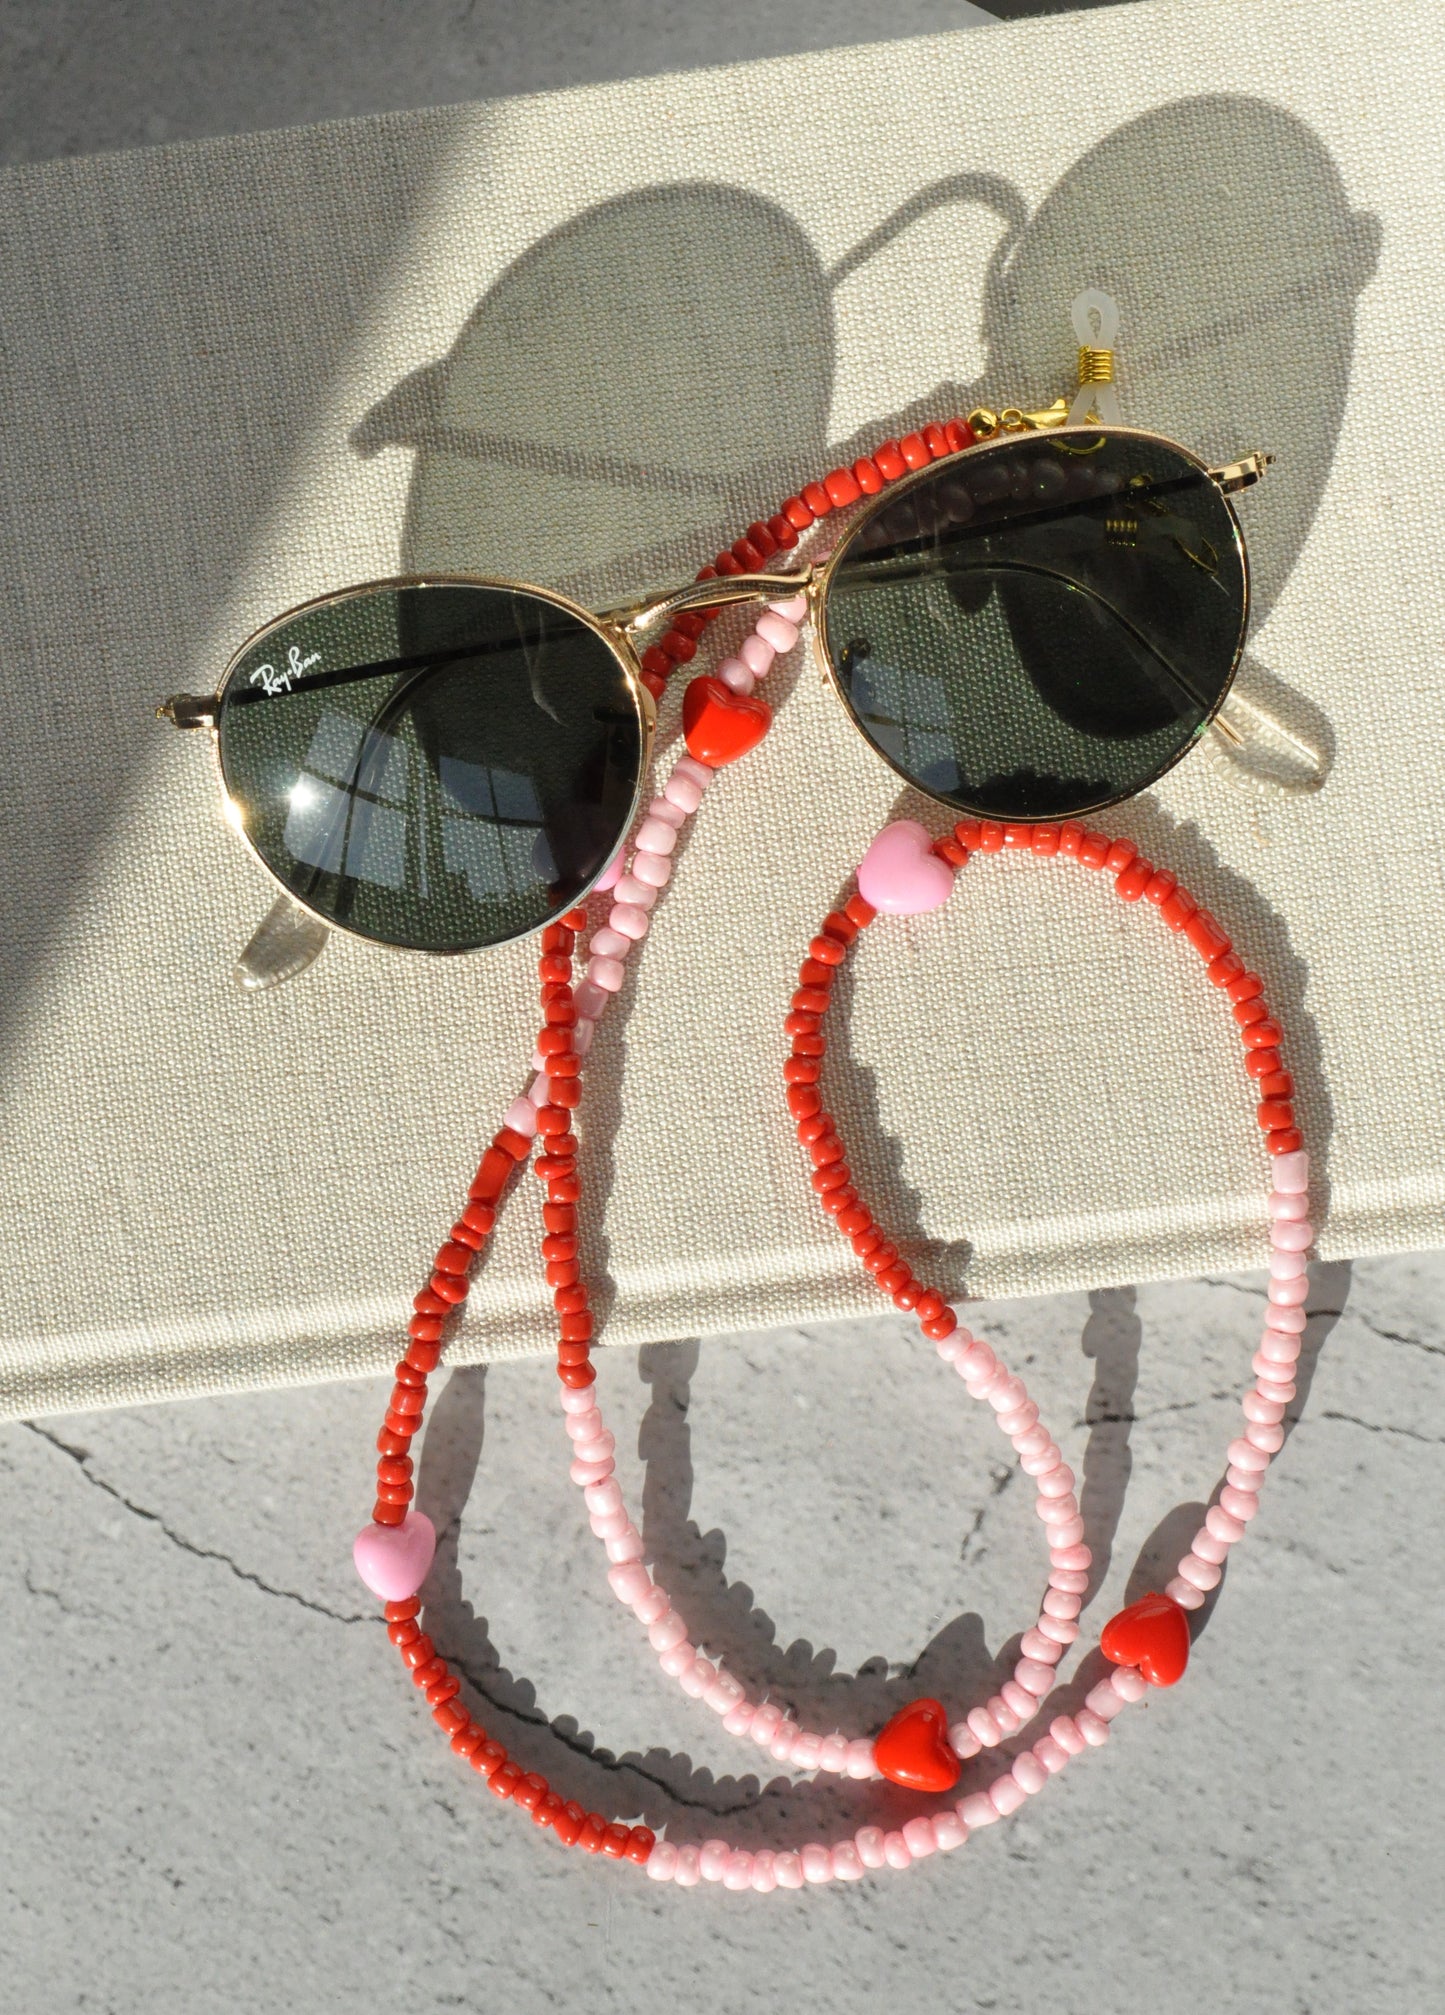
x,y
580,339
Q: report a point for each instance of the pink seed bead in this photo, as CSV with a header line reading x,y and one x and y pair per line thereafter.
x,y
895,1851
1023,1705
585,1026
766,1720
662,1862
1050,1755
590,1472
609,876
984,1727
789,1870
539,1092
976,1810
682,792
713,1859
793,610
662,808
1280,1205
869,1842
1033,1442
1184,1593
1202,1574
1269,1439
1062,1603
756,656
653,870
1070,1580
1006,1393
978,1361
1047,1459
697,1678
724,1693
834,1754
1223,1527
1020,1420
1047,1650
586,1423
817,1863
607,973
949,1347
949,1831
521,1117
655,836
650,1607
1005,1795
1076,1556
765,1879
577,1399
735,676
1103,1701
919,1837
635,894
1291,1173
776,630
609,1524
590,1001
689,1867
1289,1321
963,1741
676,1661
1287,1266
1240,1504
739,1719
1093,1727
1244,1455
1288,1293
603,1497
1291,1234
629,1582
1067,1733
1033,1677
1264,1412
738,1874
807,1749
689,766
1064,1538
1279,1346
1057,1482
847,1865
1029,1774
1005,1717
1204,1546
667,1631
1128,1684
860,1758
1062,1630
1243,1479
631,921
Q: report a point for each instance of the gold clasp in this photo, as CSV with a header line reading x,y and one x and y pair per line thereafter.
x,y
1013,420
1243,474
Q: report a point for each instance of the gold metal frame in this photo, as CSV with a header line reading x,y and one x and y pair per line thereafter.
x,y
1236,475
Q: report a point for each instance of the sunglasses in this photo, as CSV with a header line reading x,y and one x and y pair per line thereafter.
x,y
1034,628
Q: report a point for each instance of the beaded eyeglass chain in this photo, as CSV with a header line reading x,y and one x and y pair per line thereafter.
x,y
902,873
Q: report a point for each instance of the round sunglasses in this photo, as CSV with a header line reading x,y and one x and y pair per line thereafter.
x,y
1034,628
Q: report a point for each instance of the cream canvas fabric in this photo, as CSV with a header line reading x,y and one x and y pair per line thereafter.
x,y
581,340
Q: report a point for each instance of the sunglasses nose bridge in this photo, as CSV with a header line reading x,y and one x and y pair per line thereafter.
x,y
714,594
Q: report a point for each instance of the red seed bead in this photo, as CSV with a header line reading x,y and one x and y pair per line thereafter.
x,y
1177,909
868,476
450,1287
1246,1012
640,1842
462,1234
1248,987
614,1841
405,1631
425,1328
809,1045
504,1780
907,1296
880,1258
940,1326
654,680
859,911
1287,1141
1071,838
554,1167
836,1201
727,565
395,1468
423,1357
547,1809
594,1829
761,539
1208,938
568,1065
990,836
429,1674
388,1443
747,556
837,925
801,1070
406,1402
930,1305
857,1217
420,1651
827,951
1046,842
409,1375
387,1514
803,1101
949,850
553,966
1276,1084
1226,967
811,1000
575,1375
1119,856
1263,1035
798,514
491,1177
1275,1115
888,457
576,1328
559,1245
568,1823
782,530
959,435
559,1014
489,1756
828,1149
468,1740
842,486
559,1217
570,1300
1018,836
394,1493
1134,880
1094,850
895,1277
565,1092
552,1121
817,500
936,440
453,1258
401,1427
426,1303
836,1175
1159,887
816,1127
439,1697
801,1022
557,938
915,451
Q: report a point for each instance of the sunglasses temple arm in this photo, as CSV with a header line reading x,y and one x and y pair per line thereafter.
x,y
287,940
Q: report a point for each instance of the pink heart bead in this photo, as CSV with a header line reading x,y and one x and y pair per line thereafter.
x,y
393,1559
901,875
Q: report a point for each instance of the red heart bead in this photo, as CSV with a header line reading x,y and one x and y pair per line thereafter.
x,y
720,725
1152,1633
914,1748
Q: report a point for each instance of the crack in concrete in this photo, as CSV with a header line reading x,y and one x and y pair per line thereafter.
x,y
1385,1427
81,1459
1354,1315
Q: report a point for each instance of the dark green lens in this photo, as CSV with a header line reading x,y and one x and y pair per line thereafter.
x,y
1041,627
441,767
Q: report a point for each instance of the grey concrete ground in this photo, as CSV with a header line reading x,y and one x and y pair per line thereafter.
x,y
220,1792
216,1790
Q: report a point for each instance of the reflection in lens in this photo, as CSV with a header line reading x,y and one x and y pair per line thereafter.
x,y
440,766
1041,627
